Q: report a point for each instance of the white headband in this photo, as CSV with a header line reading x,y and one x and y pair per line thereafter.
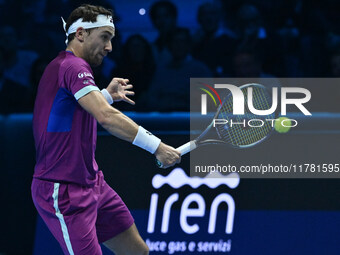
x,y
102,21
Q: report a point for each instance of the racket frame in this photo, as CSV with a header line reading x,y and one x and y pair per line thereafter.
x,y
193,144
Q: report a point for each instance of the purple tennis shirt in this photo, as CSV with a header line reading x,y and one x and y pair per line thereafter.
x,y
65,134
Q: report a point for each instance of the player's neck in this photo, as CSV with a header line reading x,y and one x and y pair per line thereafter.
x,y
74,50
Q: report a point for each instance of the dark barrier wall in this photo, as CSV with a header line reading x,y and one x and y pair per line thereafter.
x,y
294,212
17,212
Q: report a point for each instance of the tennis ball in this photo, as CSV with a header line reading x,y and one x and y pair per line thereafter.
x,y
282,125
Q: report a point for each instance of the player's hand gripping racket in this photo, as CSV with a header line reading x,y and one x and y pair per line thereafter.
x,y
250,129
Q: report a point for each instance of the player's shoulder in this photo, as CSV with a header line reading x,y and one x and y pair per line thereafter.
x,y
70,60
74,65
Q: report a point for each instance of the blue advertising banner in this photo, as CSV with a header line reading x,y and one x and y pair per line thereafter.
x,y
190,215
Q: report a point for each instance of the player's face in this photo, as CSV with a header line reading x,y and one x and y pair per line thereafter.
x,y
98,44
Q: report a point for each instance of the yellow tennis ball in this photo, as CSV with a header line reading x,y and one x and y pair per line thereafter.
x,y
282,125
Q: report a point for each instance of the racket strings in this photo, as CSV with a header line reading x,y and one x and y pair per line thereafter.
x,y
225,132
261,101
241,134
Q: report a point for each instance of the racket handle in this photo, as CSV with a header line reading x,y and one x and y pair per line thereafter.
x,y
187,147
184,149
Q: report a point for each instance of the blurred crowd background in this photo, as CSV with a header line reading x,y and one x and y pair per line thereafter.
x,y
232,38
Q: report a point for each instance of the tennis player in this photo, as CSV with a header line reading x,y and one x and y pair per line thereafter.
x,y
68,190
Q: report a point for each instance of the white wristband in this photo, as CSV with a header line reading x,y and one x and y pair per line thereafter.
x,y
107,96
147,141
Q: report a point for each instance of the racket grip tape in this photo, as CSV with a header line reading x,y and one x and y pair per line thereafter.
x,y
187,147
184,149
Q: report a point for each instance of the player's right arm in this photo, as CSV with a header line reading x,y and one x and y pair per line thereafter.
x,y
121,126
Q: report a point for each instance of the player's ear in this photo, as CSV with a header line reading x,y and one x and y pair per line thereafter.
x,y
80,33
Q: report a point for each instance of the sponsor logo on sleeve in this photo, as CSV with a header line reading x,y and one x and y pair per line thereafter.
x,y
84,74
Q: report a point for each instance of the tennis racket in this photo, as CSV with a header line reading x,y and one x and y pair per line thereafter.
x,y
257,128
